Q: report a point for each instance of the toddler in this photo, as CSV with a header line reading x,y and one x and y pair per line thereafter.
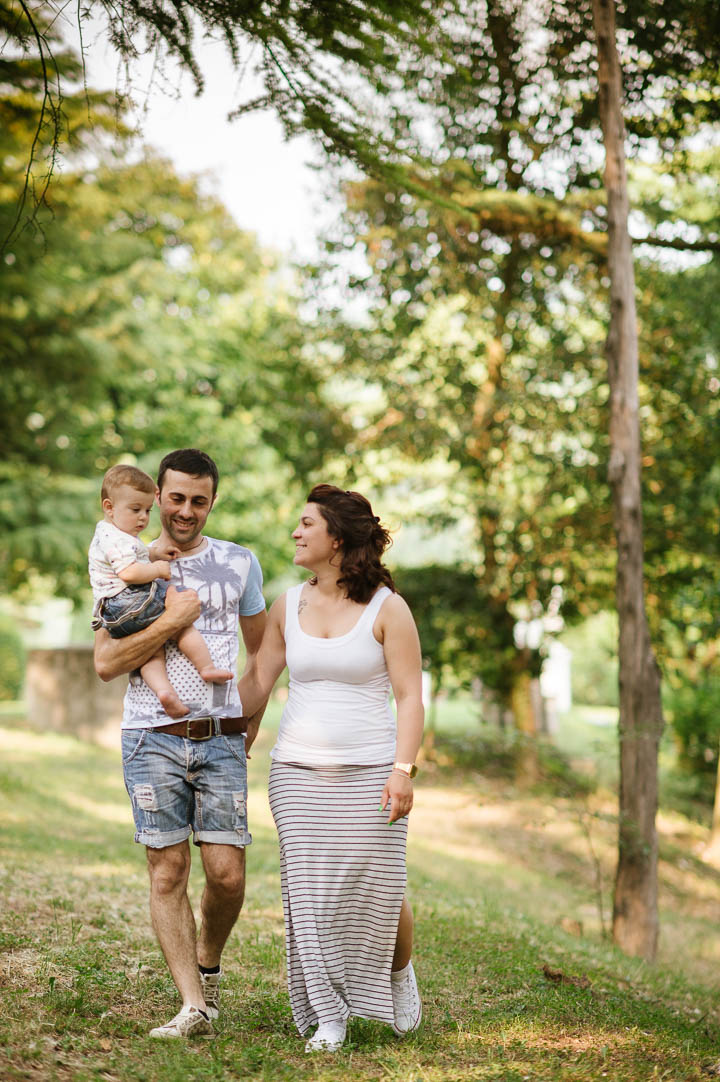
x,y
129,581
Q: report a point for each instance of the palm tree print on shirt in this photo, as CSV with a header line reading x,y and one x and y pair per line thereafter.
x,y
220,585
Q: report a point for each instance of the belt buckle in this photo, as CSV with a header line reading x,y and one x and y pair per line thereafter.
x,y
211,728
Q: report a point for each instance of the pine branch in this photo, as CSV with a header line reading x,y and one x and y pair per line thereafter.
x,y
47,106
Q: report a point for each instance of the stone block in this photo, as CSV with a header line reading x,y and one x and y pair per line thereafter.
x,y
64,694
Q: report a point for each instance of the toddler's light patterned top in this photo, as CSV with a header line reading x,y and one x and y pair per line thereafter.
x,y
228,581
111,551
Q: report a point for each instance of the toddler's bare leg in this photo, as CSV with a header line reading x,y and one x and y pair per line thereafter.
x,y
155,676
194,647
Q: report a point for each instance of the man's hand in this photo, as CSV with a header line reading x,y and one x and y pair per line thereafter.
x,y
183,606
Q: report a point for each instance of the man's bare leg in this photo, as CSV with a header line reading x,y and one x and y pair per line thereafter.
x,y
173,920
222,899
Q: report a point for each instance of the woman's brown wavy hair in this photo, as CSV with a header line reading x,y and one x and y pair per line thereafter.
x,y
350,520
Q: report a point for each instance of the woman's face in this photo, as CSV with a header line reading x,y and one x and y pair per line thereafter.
x,y
313,544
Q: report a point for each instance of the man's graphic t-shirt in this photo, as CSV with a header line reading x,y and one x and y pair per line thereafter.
x,y
228,581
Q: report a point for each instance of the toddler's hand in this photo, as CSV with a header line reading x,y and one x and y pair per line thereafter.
x,y
157,554
162,569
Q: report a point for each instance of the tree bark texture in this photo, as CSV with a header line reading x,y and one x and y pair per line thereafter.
x,y
527,767
712,850
635,912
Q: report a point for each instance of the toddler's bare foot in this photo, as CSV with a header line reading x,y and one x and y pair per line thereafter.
x,y
215,676
172,704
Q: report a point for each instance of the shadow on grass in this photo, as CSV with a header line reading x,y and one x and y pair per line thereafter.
x,y
83,981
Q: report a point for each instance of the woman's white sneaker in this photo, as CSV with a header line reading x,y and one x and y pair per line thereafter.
x,y
190,1022
407,1007
328,1037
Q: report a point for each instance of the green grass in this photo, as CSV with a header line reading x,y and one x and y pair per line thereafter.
x,y
587,737
12,710
503,882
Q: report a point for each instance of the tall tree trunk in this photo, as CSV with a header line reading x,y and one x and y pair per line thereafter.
x,y
527,767
712,850
635,915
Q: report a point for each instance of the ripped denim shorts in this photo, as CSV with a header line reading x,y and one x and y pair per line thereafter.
x,y
180,787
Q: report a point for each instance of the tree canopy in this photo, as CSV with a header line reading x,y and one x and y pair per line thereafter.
x,y
298,51
137,313
135,316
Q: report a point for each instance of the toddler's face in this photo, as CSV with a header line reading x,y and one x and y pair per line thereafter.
x,y
130,509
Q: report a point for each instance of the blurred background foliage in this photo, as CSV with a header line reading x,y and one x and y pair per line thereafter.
x,y
466,394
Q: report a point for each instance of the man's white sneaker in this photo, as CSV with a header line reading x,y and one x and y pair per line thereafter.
x,y
190,1022
407,1007
211,992
328,1037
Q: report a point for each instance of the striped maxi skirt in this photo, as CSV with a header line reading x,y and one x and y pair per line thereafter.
x,y
343,880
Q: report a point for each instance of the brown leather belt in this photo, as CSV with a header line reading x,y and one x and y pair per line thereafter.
x,y
203,728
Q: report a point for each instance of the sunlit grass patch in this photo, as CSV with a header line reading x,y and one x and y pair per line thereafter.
x,y
503,886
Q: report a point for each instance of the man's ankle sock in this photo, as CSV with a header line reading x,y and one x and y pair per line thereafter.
x,y
209,969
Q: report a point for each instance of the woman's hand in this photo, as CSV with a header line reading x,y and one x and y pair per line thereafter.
x,y
252,730
398,793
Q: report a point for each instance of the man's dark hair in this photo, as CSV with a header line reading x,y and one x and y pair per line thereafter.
x,y
191,461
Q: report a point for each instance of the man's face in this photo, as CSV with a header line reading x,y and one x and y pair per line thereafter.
x,y
185,503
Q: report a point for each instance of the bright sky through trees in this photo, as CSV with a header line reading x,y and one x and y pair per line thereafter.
x,y
266,182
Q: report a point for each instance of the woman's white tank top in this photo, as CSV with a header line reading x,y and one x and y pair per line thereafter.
x,y
337,711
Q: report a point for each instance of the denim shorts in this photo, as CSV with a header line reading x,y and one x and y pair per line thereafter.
x,y
180,787
134,608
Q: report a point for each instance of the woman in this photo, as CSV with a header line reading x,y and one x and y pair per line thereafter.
x,y
341,776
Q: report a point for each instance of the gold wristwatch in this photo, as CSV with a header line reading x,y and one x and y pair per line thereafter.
x,y
406,768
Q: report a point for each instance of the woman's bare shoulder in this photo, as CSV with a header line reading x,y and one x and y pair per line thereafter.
x,y
396,609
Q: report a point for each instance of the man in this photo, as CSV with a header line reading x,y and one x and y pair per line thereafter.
x,y
190,776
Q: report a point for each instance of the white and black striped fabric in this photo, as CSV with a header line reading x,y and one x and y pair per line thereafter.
x,y
343,880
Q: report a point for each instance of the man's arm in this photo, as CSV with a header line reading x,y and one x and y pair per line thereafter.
x,y
114,657
252,629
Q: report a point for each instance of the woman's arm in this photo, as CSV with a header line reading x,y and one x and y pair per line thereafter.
x,y
258,681
403,658
114,657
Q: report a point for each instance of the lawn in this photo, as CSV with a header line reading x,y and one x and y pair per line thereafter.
x,y
510,889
